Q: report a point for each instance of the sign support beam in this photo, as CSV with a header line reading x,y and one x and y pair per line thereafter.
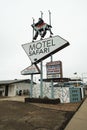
x,y
41,81
52,89
41,75
31,88
33,31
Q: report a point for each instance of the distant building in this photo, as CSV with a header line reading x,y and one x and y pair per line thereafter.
x,y
15,87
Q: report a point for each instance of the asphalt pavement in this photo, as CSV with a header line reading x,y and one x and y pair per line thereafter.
x,y
78,121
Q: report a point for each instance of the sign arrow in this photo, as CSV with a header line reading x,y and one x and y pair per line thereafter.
x,y
39,50
33,69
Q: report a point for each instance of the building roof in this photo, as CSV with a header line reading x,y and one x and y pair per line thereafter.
x,y
7,82
78,79
56,79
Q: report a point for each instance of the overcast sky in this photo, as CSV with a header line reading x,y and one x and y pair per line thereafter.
x,y
68,19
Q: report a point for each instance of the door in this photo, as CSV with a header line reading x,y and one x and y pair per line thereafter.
x,y
6,90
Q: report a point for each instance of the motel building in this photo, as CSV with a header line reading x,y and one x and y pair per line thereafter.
x,y
66,89
15,87
63,88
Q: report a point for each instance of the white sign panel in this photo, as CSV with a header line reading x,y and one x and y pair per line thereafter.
x,y
41,49
54,69
33,69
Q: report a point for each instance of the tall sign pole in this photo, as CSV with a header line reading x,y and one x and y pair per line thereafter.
x,y
49,19
52,89
33,30
41,75
31,88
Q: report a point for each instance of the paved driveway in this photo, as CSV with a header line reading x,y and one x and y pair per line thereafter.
x,y
16,98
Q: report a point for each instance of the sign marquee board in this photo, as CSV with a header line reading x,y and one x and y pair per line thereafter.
x,y
39,50
54,69
33,69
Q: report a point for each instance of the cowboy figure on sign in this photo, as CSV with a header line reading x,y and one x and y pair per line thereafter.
x,y
41,28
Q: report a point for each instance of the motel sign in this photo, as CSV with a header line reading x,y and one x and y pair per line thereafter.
x,y
39,50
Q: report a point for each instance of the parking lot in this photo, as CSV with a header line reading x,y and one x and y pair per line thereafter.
x,y
17,115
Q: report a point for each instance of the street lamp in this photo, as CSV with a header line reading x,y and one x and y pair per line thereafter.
x,y
76,78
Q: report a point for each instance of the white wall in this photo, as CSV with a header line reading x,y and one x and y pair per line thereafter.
x,y
11,90
14,88
22,86
62,93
